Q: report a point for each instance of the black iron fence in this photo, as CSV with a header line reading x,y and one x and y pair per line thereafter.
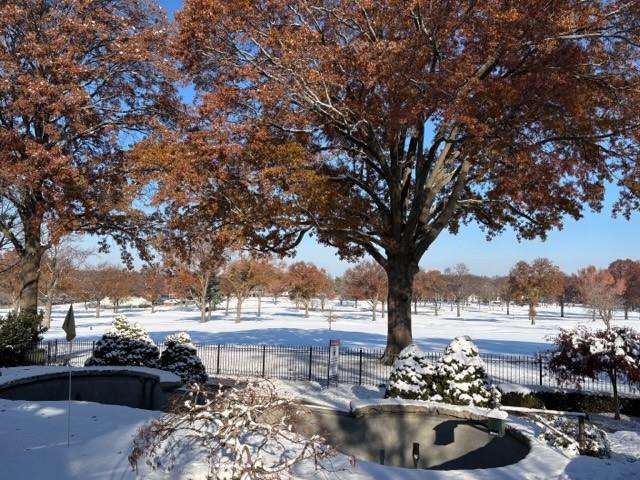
x,y
360,366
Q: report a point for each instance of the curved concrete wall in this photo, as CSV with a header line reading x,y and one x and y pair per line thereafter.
x,y
127,388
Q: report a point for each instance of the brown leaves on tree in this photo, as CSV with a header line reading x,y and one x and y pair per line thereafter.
x,y
419,117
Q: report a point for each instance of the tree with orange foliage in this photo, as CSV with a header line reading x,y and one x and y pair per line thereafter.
x,y
194,262
628,272
600,289
57,268
77,77
531,283
241,277
153,284
306,282
367,280
402,119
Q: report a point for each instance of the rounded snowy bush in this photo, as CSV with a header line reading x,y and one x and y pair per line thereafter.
x,y
596,443
180,337
125,344
181,358
410,374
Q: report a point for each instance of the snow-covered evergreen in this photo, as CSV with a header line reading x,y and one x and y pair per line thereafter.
x,y
409,376
181,358
462,376
458,378
125,344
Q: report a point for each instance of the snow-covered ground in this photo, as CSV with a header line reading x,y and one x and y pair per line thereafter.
x,y
33,445
282,324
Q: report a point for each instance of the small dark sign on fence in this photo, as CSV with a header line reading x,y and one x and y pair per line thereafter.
x,y
334,362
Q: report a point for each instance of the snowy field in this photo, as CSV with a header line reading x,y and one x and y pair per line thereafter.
x,y
282,324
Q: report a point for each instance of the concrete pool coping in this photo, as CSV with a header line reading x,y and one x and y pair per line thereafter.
x,y
138,387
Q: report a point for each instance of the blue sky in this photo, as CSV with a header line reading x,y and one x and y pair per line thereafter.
x,y
596,239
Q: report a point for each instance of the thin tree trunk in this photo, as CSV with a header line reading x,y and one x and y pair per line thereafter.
x,y
400,274
562,306
457,308
435,306
356,303
626,312
238,309
374,304
322,300
48,306
382,309
259,306
532,313
98,309
306,309
209,311
153,307
226,312
508,302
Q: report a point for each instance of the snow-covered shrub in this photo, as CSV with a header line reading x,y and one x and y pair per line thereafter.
x,y
596,443
180,337
457,378
125,344
181,358
462,378
242,433
409,376
19,332
581,353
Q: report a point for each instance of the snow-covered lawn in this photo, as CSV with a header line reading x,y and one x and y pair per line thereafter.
x,y
282,324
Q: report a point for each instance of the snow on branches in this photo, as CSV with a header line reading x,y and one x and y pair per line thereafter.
x,y
242,432
458,378
581,353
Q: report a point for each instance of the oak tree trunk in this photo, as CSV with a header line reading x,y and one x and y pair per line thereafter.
x,y
400,274
30,271
98,309
259,306
532,313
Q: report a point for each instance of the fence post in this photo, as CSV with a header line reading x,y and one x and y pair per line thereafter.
x,y
56,351
360,369
310,361
48,353
218,361
540,367
264,360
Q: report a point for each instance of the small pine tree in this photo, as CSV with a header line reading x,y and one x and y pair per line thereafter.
x,y
462,378
409,375
125,344
181,358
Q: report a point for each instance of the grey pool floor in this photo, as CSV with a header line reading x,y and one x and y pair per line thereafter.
x,y
446,443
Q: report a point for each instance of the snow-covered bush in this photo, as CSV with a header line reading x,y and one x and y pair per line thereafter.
x,y
181,358
458,378
581,353
125,344
409,375
243,433
180,337
19,332
596,443
462,376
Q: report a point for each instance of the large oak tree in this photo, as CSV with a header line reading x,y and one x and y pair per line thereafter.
x,y
418,116
79,81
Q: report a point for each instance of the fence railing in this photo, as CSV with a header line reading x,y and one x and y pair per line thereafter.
x,y
359,366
